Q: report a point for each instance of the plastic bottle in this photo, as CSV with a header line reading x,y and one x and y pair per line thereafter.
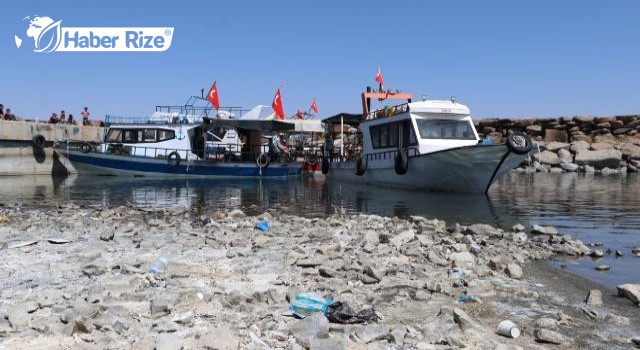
x,y
162,261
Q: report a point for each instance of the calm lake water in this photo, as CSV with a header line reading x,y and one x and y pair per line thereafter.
x,y
593,207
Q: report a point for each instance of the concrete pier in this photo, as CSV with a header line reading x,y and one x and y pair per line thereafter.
x,y
20,156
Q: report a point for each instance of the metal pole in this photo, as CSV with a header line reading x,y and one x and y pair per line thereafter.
x,y
341,136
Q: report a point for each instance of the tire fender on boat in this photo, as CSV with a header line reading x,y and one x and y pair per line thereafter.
x,y
519,142
173,158
312,159
38,141
85,147
262,161
325,166
361,165
401,163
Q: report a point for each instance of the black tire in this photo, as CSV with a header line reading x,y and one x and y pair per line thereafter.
x,y
519,142
38,141
85,147
401,163
173,159
312,159
361,165
263,160
325,166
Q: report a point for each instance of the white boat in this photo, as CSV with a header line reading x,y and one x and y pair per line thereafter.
x,y
426,145
185,142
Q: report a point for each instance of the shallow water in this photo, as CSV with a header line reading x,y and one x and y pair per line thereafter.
x,y
592,207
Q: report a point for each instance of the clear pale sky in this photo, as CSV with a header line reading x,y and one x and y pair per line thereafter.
x,y
502,58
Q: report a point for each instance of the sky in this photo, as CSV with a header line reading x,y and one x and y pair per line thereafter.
x,y
512,59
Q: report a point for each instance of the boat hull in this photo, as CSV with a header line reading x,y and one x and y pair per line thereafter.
x,y
463,170
110,164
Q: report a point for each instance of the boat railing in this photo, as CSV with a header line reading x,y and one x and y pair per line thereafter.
x,y
336,157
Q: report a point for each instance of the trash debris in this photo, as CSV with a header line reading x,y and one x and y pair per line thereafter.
x,y
263,225
58,240
4,219
162,261
307,303
469,299
21,244
508,329
460,272
340,312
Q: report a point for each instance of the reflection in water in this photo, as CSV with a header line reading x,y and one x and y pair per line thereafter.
x,y
591,207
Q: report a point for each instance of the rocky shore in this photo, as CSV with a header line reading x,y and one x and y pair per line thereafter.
x,y
584,144
78,278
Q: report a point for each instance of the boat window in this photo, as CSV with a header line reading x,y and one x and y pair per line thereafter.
x,y
445,129
393,135
149,135
115,135
164,135
385,135
130,136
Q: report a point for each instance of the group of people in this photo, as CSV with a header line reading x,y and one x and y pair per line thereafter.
x,y
8,115
55,119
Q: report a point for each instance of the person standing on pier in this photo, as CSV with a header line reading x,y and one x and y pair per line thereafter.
x,y
8,115
63,117
85,116
53,119
71,121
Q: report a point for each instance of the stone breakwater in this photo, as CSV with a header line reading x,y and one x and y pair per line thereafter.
x,y
587,144
78,278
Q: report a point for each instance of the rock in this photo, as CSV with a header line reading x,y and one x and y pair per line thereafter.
x,y
107,235
220,338
168,341
314,326
518,228
619,253
160,306
483,229
309,262
597,146
547,323
555,146
93,270
327,272
464,260
520,238
631,151
617,319
495,263
603,267
464,321
630,291
403,238
373,273
550,337
594,298
398,334
237,213
636,341
366,279
18,317
183,318
514,271
544,230
579,145
570,167
600,158
598,253
372,333
548,157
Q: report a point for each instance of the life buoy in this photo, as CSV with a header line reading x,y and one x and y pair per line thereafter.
x,y
361,165
85,147
173,159
262,161
401,163
38,141
325,166
312,159
519,142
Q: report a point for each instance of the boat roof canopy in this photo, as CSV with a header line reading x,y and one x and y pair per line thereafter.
x,y
265,125
439,107
352,119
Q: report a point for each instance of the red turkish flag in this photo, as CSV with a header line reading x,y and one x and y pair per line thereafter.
x,y
314,106
379,79
213,96
277,105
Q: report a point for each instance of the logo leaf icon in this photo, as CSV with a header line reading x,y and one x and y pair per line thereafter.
x,y
49,38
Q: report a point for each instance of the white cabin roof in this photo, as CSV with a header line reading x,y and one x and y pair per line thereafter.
x,y
439,107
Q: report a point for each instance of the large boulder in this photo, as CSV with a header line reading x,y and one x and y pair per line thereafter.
x,y
554,146
629,150
596,146
547,157
579,145
600,159
565,156
464,260
630,291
